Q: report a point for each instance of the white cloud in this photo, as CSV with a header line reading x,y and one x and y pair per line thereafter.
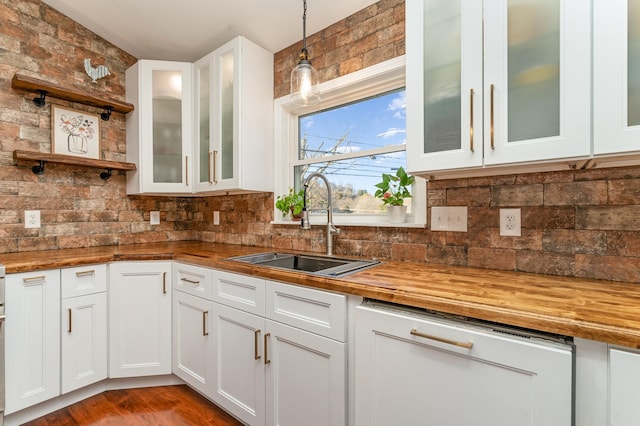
x,y
398,103
391,132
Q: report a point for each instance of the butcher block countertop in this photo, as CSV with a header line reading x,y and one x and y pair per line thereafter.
x,y
592,309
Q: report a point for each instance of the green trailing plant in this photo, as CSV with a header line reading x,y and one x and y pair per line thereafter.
x,y
291,202
395,188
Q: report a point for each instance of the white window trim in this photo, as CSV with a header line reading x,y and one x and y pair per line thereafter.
x,y
376,79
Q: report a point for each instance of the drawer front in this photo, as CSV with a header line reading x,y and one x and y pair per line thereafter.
x,y
239,291
83,280
194,280
316,311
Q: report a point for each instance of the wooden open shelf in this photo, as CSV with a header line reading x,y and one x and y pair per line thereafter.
x,y
43,157
35,85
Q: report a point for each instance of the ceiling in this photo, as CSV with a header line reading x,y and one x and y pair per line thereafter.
x,y
186,30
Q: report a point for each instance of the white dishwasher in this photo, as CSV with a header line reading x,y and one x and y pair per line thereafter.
x,y
420,368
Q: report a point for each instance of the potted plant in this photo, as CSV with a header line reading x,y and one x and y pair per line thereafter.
x,y
291,203
392,191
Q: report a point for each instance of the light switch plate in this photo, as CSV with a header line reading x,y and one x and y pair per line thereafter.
x,y
154,218
453,219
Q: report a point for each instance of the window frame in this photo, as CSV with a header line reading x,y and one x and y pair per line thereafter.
x,y
376,79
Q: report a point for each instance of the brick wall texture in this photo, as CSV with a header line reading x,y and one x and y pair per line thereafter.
x,y
575,223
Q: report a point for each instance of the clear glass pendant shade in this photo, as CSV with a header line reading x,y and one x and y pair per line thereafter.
x,y
304,84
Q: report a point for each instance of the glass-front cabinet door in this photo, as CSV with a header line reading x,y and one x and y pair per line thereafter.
x,y
616,76
444,84
496,82
205,153
159,130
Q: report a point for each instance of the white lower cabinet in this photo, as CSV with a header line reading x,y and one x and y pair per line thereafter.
x,y
624,377
271,373
192,347
139,318
83,326
417,370
32,336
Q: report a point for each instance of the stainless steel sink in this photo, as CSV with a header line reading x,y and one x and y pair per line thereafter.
x,y
318,265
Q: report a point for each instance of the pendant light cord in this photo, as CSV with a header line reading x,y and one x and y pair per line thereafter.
x,y
304,26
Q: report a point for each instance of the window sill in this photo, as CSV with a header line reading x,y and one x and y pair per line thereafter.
x,y
354,224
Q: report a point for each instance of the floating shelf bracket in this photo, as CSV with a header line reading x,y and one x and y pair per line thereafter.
x,y
105,175
39,169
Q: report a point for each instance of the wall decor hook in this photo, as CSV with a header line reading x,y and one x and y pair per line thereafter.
x,y
39,101
39,169
106,114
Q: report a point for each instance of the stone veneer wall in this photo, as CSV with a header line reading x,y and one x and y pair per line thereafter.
x,y
575,223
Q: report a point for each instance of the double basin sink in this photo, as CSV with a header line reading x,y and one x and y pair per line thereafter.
x,y
329,266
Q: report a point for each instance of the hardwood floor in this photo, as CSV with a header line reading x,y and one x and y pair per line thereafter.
x,y
162,405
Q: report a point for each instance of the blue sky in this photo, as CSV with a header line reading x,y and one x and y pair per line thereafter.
x,y
369,124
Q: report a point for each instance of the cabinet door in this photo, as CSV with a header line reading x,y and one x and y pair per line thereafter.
x,y
624,376
83,340
206,153
242,117
536,80
406,379
616,76
192,345
444,84
139,319
159,130
32,338
306,378
239,370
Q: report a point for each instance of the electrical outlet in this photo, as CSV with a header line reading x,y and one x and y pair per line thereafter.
x,y
216,217
154,218
510,222
32,218
452,219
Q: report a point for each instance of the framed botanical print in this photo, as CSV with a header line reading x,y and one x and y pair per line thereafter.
x,y
75,132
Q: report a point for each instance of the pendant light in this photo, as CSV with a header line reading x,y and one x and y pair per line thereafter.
x,y
304,78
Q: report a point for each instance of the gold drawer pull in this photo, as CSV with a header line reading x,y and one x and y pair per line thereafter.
x,y
29,280
468,345
187,280
85,273
69,329
164,283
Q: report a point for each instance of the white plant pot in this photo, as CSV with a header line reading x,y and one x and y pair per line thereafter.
x,y
397,214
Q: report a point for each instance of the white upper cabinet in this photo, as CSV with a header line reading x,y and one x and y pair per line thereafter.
x,y
159,129
616,76
234,119
498,82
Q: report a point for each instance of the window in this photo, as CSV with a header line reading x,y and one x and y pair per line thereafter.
x,y
357,133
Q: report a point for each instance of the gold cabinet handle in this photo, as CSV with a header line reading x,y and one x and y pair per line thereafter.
x,y
204,323
256,353
471,120
29,280
187,280
164,283
209,166
85,273
186,169
266,353
493,145
215,164
69,312
468,345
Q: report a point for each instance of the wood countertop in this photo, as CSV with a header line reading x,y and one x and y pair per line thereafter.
x,y
592,309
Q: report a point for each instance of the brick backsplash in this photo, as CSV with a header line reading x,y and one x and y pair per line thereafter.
x,y
575,223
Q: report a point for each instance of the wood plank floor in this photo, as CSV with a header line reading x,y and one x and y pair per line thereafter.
x,y
162,405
